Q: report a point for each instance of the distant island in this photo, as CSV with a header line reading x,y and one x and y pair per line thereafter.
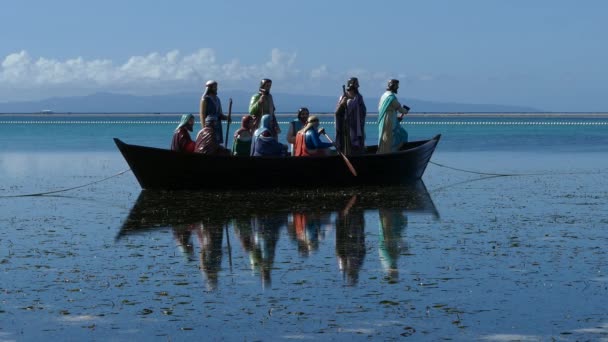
x,y
188,103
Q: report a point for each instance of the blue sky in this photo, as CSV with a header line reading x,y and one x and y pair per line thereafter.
x,y
550,55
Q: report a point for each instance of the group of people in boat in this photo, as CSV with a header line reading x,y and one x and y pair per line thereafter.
x,y
259,131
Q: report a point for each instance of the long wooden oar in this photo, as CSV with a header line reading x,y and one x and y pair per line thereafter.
x,y
229,120
350,166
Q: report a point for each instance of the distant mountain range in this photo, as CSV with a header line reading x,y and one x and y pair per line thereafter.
x,y
189,102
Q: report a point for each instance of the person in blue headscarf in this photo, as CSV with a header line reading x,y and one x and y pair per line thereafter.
x,y
264,142
391,136
181,137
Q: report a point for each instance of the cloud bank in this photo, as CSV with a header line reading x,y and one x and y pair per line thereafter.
x,y
20,69
22,75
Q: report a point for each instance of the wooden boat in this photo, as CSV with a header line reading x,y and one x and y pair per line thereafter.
x,y
162,169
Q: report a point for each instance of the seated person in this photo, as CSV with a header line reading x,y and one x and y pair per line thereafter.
x,y
181,138
206,142
308,143
264,143
297,125
241,146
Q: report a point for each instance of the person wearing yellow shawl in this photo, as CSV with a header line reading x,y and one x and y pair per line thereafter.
x,y
391,136
308,142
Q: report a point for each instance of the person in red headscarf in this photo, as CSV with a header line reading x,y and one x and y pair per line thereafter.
x,y
206,140
241,146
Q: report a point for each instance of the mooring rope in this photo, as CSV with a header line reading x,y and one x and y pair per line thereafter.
x,y
68,189
431,162
514,174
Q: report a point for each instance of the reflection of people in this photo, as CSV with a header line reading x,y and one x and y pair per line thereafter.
x,y
264,143
182,234
392,224
308,141
263,103
210,236
350,120
212,106
181,137
350,242
241,145
206,140
391,136
259,238
305,229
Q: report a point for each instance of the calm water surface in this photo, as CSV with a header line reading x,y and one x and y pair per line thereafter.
x,y
461,256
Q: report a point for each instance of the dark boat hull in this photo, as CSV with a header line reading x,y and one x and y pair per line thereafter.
x,y
160,169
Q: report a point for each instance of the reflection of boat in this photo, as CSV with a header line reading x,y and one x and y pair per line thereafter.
x,y
257,219
162,169
155,209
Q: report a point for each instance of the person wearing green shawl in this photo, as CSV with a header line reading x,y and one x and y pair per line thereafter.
x,y
181,137
263,103
390,244
391,136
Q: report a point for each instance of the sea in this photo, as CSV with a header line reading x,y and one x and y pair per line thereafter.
x,y
504,239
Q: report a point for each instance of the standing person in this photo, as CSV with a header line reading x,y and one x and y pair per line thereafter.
x,y
350,120
181,137
308,143
297,125
391,136
262,103
212,106
241,146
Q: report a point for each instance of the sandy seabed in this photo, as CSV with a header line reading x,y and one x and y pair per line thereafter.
x,y
492,258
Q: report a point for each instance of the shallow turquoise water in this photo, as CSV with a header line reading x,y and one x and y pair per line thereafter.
x,y
503,258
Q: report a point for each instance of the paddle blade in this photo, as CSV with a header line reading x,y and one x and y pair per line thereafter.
x,y
350,166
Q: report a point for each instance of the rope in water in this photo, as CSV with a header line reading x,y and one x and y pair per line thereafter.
x,y
68,189
431,162
514,174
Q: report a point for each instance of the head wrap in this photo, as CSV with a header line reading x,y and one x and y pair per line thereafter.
x,y
210,120
208,87
264,81
392,84
310,123
265,125
246,123
184,120
301,111
352,83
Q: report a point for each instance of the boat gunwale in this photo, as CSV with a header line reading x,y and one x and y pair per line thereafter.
x,y
119,143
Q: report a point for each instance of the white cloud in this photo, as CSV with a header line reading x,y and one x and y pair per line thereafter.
x,y
319,73
23,77
20,70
